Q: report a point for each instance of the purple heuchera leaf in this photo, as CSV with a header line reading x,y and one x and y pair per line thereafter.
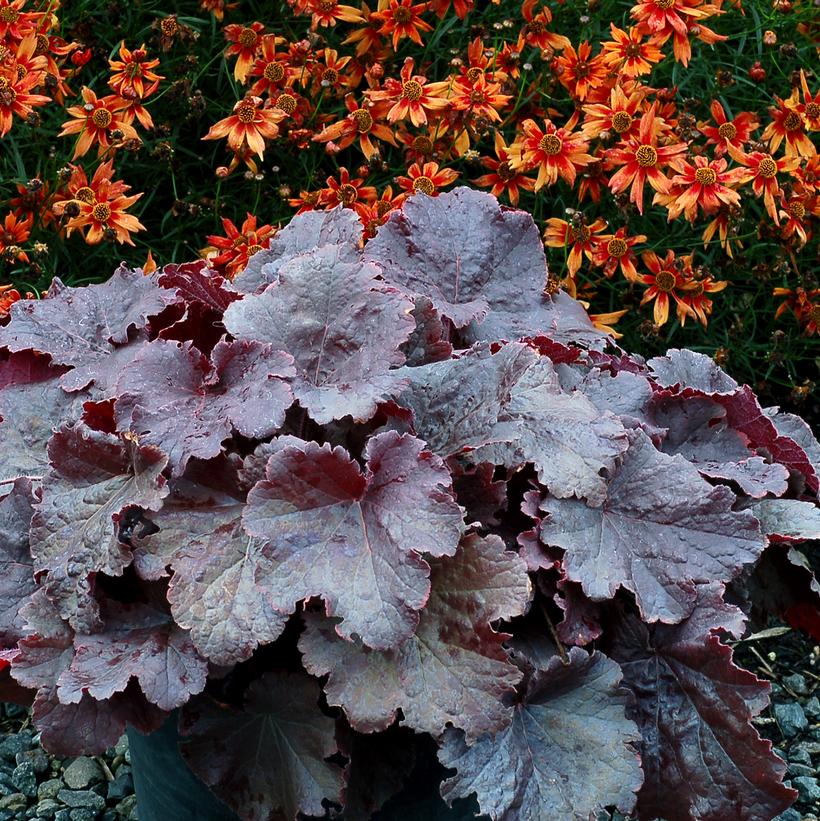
x,y
352,537
80,326
173,397
689,369
661,530
453,670
429,342
94,477
569,751
701,757
342,326
269,759
194,282
788,520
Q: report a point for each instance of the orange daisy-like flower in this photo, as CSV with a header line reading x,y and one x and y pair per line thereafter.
x,y
788,124
104,216
694,299
347,191
479,97
811,104
412,96
579,73
249,125
376,213
555,152
804,304
705,185
427,178
328,12
613,250
15,23
503,179
15,231
366,37
96,121
239,245
619,116
641,160
8,296
330,76
132,71
536,30
665,280
80,188
762,171
736,132
217,7
628,54
359,124
272,68
723,225
244,44
578,237
461,7
15,98
794,211
402,18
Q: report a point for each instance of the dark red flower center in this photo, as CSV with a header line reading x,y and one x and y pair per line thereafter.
x,y
550,144
665,281
101,212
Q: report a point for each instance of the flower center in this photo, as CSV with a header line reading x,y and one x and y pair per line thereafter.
x,y
85,194
579,234
402,15
475,72
102,117
664,4
665,281
133,70
727,131
348,194
330,76
616,247
101,212
21,72
286,103
767,168
813,110
253,249
537,27
383,207
169,26
362,119
504,171
550,144
792,121
425,185
814,314
695,290
9,15
797,210
411,90
246,112
582,68
42,44
633,50
423,145
4,83
621,121
247,37
646,156
477,97
7,96
706,176
327,5
273,72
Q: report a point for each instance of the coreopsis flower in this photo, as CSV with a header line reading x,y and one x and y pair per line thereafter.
x,y
479,97
16,99
605,322
808,176
665,281
762,170
366,37
593,179
8,296
376,213
794,211
461,7
421,147
642,159
33,197
351,192
244,44
736,132
507,59
402,18
555,152
804,304
238,245
578,237
694,299
79,187
132,71
13,233
217,7
97,121
503,179
619,116
613,250
271,68
629,53
249,125
329,12
411,96
306,201
427,178
536,30
359,124
706,185
788,124
578,72
811,104
15,23
328,72
132,108
104,217
724,225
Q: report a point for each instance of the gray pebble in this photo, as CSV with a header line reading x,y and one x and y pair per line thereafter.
x,y
25,779
82,772
109,815
812,707
801,769
84,799
797,684
121,747
791,718
6,786
7,815
49,789
809,788
127,806
15,801
84,815
31,812
17,743
63,815
47,808
37,757
801,754
789,815
122,785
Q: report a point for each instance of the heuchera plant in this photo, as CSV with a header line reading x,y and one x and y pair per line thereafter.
x,y
365,506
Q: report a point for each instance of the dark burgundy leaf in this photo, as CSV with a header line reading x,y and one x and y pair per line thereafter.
x,y
93,478
453,670
793,427
482,497
267,761
543,765
788,520
352,537
99,376
701,756
689,369
582,616
303,234
194,282
173,397
429,342
342,326
661,530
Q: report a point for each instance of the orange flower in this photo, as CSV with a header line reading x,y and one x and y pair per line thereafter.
x,y
328,12
426,179
578,237
132,71
412,96
577,72
245,42
604,322
804,304
95,122
612,250
619,116
104,215
705,185
787,123
694,299
271,67
461,7
15,99
239,245
479,97
13,234
628,54
723,224
503,179
8,296
762,172
375,214
736,132
555,152
15,23
331,76
248,125
536,32
217,7
794,210
593,181
367,37
347,191
360,123
664,281
641,159
811,104
402,18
